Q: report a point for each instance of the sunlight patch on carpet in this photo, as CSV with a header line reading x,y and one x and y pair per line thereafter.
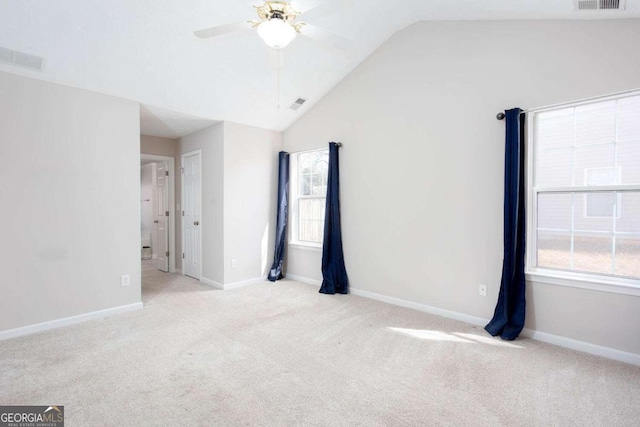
x,y
458,337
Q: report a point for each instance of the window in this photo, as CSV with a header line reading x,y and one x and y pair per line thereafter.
x,y
584,191
601,205
309,172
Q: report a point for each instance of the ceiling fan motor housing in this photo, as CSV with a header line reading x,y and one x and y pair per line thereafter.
x,y
276,14
276,10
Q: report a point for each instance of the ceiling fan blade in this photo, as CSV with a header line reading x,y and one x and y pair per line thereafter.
x,y
327,37
222,29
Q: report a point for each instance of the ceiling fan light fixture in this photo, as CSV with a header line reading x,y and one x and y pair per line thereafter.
x,y
276,33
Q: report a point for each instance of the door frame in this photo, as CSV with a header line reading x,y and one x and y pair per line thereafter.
x,y
182,157
172,205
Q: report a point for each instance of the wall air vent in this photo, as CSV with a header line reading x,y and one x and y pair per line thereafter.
x,y
20,59
298,103
600,4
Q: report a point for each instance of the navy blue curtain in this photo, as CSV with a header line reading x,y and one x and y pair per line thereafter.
x,y
281,223
334,273
508,318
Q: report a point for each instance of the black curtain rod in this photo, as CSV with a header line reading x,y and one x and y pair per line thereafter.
x,y
501,116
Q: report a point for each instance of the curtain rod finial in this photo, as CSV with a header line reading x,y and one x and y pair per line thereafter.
x,y
338,144
500,116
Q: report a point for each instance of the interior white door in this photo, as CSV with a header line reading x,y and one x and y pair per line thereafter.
x,y
161,219
191,179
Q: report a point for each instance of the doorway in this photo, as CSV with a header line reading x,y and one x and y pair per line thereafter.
x,y
192,214
157,212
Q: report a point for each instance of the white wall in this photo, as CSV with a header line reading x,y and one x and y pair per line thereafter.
x,y
239,191
211,142
159,146
250,199
70,191
422,162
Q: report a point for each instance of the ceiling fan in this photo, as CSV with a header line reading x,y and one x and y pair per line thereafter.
x,y
277,26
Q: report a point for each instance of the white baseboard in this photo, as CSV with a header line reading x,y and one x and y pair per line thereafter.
x,y
234,285
176,271
212,283
609,353
421,307
306,280
558,340
65,321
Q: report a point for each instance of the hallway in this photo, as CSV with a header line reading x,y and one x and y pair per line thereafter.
x,y
158,284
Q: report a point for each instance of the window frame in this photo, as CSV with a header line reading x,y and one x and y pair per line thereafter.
x,y
534,273
294,206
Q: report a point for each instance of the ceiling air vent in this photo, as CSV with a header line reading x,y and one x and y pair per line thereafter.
x,y
21,59
600,4
298,103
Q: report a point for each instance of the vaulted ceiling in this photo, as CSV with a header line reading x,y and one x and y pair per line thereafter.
x,y
145,50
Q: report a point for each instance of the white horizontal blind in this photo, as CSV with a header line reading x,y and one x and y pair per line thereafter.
x,y
586,187
312,174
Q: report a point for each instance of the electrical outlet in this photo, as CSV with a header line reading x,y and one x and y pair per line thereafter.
x,y
234,263
125,280
482,290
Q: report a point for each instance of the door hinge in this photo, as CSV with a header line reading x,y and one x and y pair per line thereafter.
x,y
166,173
166,213
182,255
182,170
167,253
182,213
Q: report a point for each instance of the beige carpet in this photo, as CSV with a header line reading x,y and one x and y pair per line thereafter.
x,y
282,354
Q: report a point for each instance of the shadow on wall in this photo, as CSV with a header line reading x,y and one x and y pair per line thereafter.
x,y
530,315
264,265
